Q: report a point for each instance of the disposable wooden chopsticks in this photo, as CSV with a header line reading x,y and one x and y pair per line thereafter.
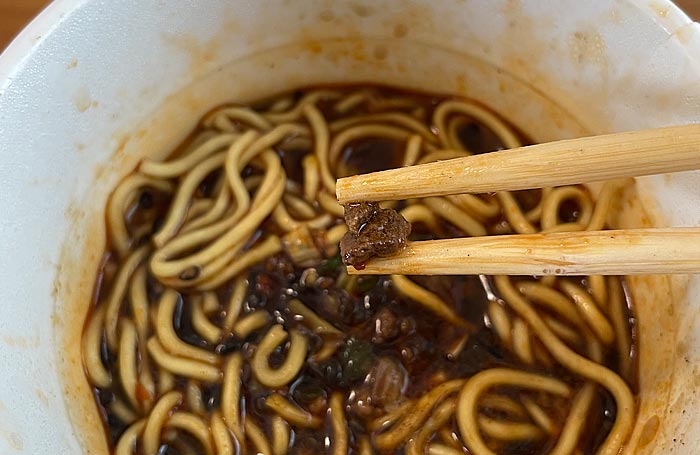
x,y
583,160
614,252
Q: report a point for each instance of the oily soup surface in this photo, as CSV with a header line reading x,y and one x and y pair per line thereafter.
x,y
224,322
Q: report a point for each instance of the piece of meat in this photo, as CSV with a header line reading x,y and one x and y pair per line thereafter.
x,y
301,247
357,214
383,388
372,232
386,326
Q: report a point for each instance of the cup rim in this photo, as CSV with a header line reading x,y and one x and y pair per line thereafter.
x,y
47,21
32,35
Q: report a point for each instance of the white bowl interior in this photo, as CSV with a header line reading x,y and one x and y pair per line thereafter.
x,y
105,85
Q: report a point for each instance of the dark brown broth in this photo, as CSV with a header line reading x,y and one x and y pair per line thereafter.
x,y
419,342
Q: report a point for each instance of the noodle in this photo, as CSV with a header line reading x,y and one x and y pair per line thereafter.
x,y
250,323
201,323
413,150
123,197
166,381
445,209
476,206
420,214
501,322
358,132
338,423
330,204
479,383
449,437
320,130
299,206
311,177
194,397
586,368
504,404
602,206
127,443
509,431
168,337
216,211
599,290
292,414
182,165
308,100
193,425
312,320
91,344
156,421
139,302
276,378
575,422
244,115
352,101
123,411
551,299
118,291
510,140
521,342
395,118
387,420
440,449
280,436
257,437
550,209
439,418
419,412
187,188
220,434
427,299
231,398
181,366
221,250
256,254
365,446
620,325
235,304
590,311
514,214
127,361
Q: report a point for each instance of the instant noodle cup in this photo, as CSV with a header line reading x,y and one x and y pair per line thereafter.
x,y
91,88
